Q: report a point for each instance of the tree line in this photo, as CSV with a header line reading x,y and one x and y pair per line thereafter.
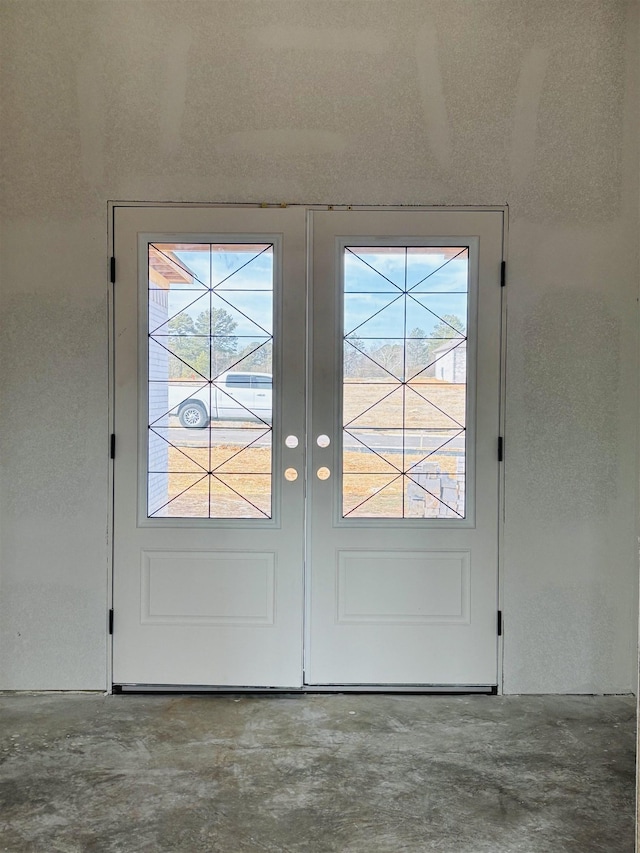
x,y
409,357
206,345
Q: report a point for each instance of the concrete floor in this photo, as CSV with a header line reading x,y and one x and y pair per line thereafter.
x,y
316,773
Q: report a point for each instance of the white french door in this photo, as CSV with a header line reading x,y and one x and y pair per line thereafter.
x,y
402,534
208,551
306,421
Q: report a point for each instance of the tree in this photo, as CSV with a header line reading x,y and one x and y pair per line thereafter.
x,y
256,355
354,361
390,356
201,344
417,350
218,325
421,346
183,345
444,328
450,326
182,324
216,322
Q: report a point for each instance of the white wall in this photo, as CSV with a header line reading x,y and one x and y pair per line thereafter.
x,y
533,103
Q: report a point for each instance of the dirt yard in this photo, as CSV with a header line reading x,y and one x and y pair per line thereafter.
x,y
248,472
426,404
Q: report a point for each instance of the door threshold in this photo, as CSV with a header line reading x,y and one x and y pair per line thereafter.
x,y
389,689
416,689
200,688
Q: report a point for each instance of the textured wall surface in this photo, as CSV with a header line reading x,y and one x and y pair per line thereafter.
x,y
533,103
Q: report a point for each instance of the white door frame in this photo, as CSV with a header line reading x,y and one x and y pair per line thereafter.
x,y
111,272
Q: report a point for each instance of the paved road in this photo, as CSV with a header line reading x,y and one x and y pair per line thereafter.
x,y
382,441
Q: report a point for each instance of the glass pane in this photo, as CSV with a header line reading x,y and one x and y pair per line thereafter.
x,y
210,312
437,269
405,315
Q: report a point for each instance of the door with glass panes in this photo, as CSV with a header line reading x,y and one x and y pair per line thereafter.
x,y
306,478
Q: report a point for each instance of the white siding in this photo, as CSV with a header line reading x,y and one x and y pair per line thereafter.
x,y
158,404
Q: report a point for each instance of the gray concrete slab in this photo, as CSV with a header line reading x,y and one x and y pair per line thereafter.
x,y
316,773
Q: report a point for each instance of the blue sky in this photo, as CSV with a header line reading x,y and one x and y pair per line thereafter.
x,y
373,282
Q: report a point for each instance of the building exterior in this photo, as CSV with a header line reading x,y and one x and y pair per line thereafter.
x,y
450,362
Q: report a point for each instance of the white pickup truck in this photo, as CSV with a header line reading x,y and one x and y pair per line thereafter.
x,y
232,396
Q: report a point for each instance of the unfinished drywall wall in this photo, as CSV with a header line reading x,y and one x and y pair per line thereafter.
x,y
533,103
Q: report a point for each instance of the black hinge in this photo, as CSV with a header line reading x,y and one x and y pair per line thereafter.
x,y
112,270
111,621
503,273
499,622
112,446
500,449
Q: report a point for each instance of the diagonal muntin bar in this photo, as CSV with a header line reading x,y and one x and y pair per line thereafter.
x,y
442,411
409,338
427,366
232,473
175,497
382,275
373,405
373,450
384,308
216,337
241,496
210,290
240,311
178,264
393,390
442,320
246,355
422,280
228,459
170,411
372,360
395,430
181,311
459,342
404,369
238,452
395,467
424,489
242,406
403,384
186,363
386,486
383,292
444,503
195,277
433,452
209,382
222,281
175,447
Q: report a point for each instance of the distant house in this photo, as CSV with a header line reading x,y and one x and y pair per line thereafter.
x,y
450,363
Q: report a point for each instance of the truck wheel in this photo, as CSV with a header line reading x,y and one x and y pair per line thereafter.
x,y
193,416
